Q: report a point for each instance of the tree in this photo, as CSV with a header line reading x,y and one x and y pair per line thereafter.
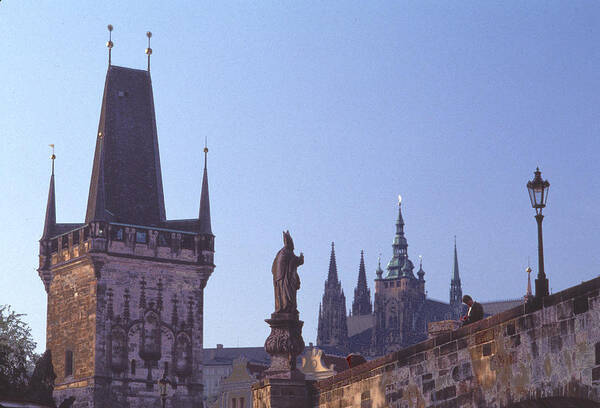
x,y
17,355
41,382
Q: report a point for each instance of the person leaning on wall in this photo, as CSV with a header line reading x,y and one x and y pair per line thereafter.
x,y
475,312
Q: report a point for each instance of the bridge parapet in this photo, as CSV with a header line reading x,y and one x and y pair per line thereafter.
x,y
542,354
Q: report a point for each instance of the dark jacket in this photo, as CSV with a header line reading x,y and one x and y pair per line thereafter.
x,y
476,314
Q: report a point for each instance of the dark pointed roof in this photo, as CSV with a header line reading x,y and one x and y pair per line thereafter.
x,y
50,221
126,183
362,274
332,276
361,304
204,215
456,276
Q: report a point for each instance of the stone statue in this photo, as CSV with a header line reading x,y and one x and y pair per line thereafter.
x,y
285,276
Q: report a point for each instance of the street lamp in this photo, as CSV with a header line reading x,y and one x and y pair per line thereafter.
x,y
162,387
538,194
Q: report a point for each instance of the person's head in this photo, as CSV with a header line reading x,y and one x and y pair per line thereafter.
x,y
467,300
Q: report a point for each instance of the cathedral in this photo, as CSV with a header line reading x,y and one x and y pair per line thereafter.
x,y
400,311
125,287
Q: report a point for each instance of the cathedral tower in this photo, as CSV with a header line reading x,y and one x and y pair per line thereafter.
x,y
126,287
362,295
332,326
399,299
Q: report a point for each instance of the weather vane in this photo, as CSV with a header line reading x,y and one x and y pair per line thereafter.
x,y
149,50
109,43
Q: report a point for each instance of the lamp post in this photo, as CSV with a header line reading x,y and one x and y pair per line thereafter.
x,y
162,387
538,194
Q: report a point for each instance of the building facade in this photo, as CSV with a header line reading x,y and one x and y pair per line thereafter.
x,y
126,286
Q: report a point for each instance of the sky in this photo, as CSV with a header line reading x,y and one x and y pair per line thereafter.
x,y
317,115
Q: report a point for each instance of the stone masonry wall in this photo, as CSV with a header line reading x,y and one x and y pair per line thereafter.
x,y
539,353
71,324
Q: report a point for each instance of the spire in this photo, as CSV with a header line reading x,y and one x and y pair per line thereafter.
x,y
379,271
529,294
204,216
421,272
50,221
455,286
149,50
362,295
400,265
362,275
400,220
456,276
109,43
126,182
332,329
332,276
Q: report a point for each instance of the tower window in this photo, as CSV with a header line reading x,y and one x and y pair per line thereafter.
x,y
166,368
132,367
68,363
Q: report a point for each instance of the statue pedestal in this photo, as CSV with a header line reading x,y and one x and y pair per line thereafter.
x,y
284,386
284,344
280,393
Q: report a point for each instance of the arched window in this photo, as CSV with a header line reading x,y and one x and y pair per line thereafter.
x,y
132,367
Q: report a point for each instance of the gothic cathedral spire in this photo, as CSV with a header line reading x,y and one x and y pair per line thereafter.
x,y
333,328
362,295
455,286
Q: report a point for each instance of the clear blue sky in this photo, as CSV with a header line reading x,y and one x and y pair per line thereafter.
x,y
318,114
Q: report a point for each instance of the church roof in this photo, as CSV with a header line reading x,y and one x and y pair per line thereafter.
x,y
126,183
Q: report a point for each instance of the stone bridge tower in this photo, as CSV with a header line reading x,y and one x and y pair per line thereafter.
x,y
126,287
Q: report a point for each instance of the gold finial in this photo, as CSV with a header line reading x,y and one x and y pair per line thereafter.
x,y
53,157
205,144
149,50
528,270
109,43
399,199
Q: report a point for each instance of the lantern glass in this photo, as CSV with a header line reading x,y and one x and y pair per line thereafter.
x,y
538,191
